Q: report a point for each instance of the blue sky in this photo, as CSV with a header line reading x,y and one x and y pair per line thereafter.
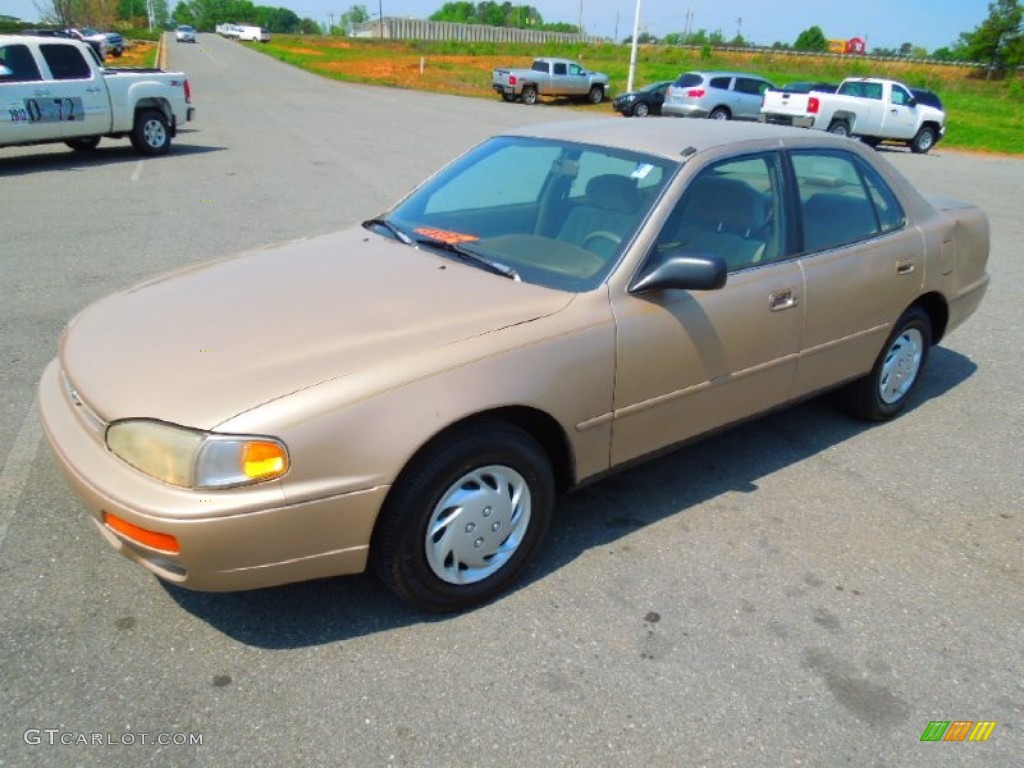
x,y
885,23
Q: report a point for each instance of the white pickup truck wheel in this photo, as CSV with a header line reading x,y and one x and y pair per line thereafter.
x,y
84,145
924,140
839,128
151,135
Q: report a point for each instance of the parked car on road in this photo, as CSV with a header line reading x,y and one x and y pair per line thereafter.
x,y
550,77
113,43
643,102
871,109
185,34
412,394
717,95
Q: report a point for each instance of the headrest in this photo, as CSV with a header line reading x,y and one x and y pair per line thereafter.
x,y
615,193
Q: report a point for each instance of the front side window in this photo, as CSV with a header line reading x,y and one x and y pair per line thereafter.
x,y
900,96
558,213
842,199
732,209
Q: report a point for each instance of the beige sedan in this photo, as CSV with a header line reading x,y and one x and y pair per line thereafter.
x,y
414,393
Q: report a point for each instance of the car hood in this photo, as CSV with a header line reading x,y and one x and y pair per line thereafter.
x,y
202,345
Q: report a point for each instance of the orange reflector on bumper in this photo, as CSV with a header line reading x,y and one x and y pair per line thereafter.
x,y
162,541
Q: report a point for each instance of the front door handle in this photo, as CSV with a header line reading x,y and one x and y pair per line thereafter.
x,y
783,299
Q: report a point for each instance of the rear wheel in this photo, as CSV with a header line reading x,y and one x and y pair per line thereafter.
x,y
640,109
509,97
151,135
464,518
839,128
924,140
529,95
85,144
885,391
720,113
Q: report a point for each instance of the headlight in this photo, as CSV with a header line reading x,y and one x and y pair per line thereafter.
x,y
190,458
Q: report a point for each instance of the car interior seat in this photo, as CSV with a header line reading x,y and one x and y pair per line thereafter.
x,y
723,217
605,215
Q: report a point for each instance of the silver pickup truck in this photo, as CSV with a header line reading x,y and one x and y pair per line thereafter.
x,y
550,77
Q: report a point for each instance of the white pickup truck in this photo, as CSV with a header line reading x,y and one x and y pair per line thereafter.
x,y
55,90
550,77
871,109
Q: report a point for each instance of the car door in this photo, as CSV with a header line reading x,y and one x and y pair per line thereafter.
x,y
863,265
691,361
749,95
77,96
900,119
20,84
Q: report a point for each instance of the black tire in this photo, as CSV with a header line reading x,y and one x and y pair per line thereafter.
x,y
151,135
490,463
839,128
871,141
924,140
86,144
509,97
885,392
596,94
117,53
641,109
720,113
529,95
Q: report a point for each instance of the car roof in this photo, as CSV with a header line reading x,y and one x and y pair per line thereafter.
x,y
720,73
670,137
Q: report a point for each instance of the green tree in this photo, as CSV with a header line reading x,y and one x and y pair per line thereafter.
x,y
812,39
997,40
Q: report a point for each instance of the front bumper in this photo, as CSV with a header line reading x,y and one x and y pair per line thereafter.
x,y
242,538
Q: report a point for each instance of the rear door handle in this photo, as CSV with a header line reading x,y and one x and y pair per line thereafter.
x,y
904,267
783,299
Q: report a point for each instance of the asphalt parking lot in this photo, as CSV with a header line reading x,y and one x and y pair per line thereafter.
x,y
800,591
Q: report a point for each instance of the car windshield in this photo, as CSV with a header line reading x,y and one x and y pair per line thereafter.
x,y
556,213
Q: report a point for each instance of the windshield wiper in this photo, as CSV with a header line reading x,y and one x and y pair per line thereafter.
x,y
390,228
471,256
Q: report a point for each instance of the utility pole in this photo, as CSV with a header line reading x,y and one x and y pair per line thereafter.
x,y
634,51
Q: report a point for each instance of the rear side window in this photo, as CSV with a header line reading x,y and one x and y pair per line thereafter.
x,y
842,200
18,59
688,80
65,62
560,69
720,82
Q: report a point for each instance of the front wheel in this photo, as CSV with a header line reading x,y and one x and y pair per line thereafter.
x,y
464,518
924,140
640,109
884,392
529,95
596,95
151,135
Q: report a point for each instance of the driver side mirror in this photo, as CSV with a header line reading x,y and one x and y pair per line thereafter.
x,y
682,272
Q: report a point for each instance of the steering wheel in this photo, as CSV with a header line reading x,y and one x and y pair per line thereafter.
x,y
601,234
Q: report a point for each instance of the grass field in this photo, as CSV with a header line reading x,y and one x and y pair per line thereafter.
x,y
982,115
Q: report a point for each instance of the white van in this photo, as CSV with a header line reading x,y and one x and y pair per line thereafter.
x,y
253,34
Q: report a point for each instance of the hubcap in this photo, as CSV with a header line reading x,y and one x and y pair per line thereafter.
x,y
154,133
901,365
478,524
926,141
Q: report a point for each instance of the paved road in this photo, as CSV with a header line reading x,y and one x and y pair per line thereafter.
x,y
799,591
